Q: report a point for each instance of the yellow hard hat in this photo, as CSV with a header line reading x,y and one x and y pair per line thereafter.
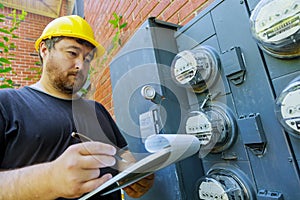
x,y
70,26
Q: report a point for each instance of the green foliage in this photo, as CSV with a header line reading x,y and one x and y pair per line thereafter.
x,y
118,25
116,42
6,34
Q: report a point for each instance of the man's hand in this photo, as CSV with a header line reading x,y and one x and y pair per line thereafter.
x,y
140,187
77,172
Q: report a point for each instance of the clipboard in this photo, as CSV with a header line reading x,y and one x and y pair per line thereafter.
x,y
166,149
133,173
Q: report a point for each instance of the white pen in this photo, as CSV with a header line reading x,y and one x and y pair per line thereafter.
x,y
81,136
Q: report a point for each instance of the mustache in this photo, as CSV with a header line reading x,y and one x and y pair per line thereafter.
x,y
78,74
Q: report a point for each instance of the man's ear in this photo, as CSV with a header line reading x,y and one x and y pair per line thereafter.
x,y
43,50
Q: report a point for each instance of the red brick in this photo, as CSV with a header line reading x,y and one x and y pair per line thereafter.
x,y
146,11
173,8
131,7
160,7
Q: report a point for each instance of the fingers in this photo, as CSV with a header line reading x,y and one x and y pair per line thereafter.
x,y
130,192
147,181
96,161
139,188
86,175
94,183
94,148
94,155
135,191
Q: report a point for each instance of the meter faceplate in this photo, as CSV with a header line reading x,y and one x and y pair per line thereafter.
x,y
211,189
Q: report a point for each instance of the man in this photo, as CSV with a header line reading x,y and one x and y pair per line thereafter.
x,y
38,157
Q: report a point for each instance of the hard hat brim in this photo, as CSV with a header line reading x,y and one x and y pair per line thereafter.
x,y
100,49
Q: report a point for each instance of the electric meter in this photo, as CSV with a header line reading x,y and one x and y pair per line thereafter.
x,y
214,127
275,25
224,183
288,108
196,68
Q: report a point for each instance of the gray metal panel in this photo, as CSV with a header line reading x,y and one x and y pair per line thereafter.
x,y
279,67
232,31
188,171
281,82
201,30
188,36
128,76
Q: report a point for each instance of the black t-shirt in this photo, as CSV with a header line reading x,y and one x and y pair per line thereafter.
x,y
36,127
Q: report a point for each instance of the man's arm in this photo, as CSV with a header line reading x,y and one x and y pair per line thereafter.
x,y
71,175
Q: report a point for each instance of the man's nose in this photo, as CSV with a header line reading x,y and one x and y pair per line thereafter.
x,y
79,63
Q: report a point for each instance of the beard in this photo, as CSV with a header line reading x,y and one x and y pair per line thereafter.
x,y
67,82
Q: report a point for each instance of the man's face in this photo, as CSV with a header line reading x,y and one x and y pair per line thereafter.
x,y
67,64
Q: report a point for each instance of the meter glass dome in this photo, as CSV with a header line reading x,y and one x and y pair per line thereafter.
x,y
214,126
224,182
288,108
197,68
275,25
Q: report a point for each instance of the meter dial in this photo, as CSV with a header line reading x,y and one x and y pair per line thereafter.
x,y
224,183
275,25
220,187
196,68
200,125
288,108
214,127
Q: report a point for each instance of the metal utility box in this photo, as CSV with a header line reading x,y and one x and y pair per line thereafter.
x,y
145,60
218,78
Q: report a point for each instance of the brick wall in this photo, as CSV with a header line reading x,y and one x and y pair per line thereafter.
x,y
26,56
135,12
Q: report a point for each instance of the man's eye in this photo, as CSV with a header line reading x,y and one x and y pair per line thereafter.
x,y
72,53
